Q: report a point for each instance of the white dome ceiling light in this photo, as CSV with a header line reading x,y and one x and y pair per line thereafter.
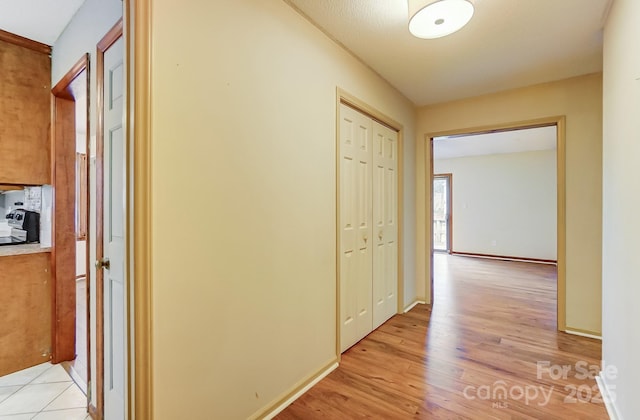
x,y
429,19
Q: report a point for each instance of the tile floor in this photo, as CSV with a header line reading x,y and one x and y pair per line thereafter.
x,y
42,392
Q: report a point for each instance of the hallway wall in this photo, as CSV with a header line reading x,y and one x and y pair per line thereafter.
x,y
244,269
621,225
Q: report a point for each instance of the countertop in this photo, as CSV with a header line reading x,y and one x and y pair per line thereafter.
x,y
8,250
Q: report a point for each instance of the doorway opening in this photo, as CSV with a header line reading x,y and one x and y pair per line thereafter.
x,y
508,197
70,256
442,209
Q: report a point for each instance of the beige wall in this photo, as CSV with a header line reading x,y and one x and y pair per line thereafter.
x,y
500,199
244,266
580,100
621,225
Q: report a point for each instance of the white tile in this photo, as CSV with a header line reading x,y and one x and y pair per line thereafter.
x,y
27,416
32,398
72,397
25,376
55,373
6,391
72,414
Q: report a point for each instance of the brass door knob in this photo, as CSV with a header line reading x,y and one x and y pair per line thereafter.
x,y
103,263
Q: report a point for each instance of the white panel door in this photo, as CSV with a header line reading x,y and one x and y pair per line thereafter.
x,y
355,138
115,337
385,229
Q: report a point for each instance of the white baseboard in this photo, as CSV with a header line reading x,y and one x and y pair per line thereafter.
x,y
302,390
609,398
413,305
77,379
581,334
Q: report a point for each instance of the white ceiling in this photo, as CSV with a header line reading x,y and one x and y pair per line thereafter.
x,y
515,141
39,20
507,44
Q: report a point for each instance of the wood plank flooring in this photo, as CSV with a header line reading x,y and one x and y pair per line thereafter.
x,y
488,350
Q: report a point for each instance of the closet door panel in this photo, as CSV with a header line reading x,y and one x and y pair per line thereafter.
x,y
385,209
355,226
379,217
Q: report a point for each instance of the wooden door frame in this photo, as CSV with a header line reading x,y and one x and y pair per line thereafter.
x,y
449,178
113,35
63,232
344,98
137,37
560,123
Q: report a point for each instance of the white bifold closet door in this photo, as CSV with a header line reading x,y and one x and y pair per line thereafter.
x,y
368,225
385,225
356,262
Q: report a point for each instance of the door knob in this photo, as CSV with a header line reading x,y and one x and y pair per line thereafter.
x,y
103,263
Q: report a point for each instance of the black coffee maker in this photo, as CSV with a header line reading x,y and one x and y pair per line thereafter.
x,y
25,225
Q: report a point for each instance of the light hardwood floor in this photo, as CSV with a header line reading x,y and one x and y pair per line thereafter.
x,y
492,328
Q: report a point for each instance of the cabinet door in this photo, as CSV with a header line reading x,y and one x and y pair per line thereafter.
x,y
25,311
24,115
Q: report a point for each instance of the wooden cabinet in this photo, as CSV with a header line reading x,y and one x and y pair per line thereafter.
x,y
25,311
25,113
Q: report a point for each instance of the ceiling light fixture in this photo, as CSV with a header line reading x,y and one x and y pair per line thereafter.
x,y
429,19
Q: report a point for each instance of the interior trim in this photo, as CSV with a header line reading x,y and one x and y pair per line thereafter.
x,y
139,76
608,397
560,123
24,42
276,408
503,257
75,377
61,89
93,412
584,333
413,305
